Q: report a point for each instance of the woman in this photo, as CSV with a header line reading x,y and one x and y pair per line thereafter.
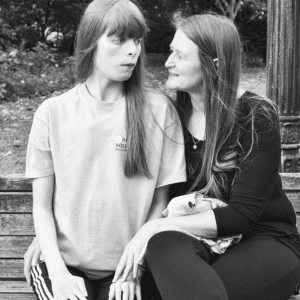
x,y
233,153
101,157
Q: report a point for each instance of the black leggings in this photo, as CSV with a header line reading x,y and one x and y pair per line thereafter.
x,y
259,268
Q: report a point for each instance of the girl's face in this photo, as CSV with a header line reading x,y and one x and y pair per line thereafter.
x,y
115,57
185,73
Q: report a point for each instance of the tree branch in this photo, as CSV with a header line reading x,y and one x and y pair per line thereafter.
x,y
237,7
219,4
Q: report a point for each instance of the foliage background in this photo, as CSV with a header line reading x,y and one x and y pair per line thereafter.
x,y
33,69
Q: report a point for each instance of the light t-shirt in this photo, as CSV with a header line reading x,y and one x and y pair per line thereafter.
x,y
97,209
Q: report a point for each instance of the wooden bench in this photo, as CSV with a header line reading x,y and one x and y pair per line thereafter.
x,y
17,231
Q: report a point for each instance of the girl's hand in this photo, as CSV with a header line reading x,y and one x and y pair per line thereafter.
x,y
133,252
31,259
127,290
65,286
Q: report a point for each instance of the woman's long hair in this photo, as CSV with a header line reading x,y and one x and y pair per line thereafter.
x,y
124,19
217,38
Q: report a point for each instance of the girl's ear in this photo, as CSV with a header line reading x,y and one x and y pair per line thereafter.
x,y
216,64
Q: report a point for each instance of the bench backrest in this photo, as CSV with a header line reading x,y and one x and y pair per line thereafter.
x,y
17,231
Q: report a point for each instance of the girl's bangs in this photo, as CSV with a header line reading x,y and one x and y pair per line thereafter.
x,y
123,21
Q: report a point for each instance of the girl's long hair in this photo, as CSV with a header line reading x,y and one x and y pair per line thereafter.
x,y
217,37
124,19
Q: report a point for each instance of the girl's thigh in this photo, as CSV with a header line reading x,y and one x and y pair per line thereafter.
x,y
260,268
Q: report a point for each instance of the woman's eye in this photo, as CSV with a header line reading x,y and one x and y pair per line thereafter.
x,y
176,53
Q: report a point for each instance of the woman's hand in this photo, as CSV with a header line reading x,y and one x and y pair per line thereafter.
x,y
134,251
125,290
65,286
31,259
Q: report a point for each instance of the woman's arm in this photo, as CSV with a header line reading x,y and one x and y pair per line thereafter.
x,y
254,183
201,224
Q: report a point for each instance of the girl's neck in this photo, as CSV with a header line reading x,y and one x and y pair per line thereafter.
x,y
105,90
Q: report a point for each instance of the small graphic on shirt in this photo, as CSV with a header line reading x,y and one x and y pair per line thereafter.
x,y
120,143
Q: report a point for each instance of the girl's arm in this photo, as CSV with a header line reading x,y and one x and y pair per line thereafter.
x,y
64,285
159,202
44,223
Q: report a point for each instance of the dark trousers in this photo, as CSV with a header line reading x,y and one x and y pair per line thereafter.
x,y
259,268
96,289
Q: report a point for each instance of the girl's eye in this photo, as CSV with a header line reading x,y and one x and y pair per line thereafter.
x,y
138,41
119,40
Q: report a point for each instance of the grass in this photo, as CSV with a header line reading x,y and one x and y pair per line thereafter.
x,y
16,117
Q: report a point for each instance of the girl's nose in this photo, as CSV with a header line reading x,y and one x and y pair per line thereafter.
x,y
132,48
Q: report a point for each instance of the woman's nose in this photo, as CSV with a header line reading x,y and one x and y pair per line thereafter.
x,y
169,63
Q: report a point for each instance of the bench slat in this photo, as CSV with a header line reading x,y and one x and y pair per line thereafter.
x,y
14,286
14,246
16,224
15,182
11,268
15,202
17,296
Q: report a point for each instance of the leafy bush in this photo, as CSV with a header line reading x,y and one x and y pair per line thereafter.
x,y
34,73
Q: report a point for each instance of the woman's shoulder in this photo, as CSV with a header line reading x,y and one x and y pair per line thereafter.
x,y
256,109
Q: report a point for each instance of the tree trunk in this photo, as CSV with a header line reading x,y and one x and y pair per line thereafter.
x,y
283,71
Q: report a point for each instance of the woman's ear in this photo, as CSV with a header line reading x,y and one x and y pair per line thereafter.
x,y
216,65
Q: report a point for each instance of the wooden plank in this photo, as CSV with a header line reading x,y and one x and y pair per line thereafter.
x,y
17,296
11,268
14,246
16,224
290,181
11,286
15,202
15,182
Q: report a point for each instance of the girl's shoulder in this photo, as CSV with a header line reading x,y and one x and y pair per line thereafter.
x,y
58,102
162,107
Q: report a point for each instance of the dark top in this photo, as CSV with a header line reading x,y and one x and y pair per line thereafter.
x,y
257,205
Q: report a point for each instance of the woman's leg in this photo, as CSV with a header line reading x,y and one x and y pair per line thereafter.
x,y
41,282
260,268
180,266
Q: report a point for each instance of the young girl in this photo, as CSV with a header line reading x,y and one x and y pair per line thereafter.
x,y
101,157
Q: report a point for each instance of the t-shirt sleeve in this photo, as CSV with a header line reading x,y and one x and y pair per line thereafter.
x,y
172,163
39,161
254,183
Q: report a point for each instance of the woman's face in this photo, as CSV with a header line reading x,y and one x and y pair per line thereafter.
x,y
184,66
115,57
